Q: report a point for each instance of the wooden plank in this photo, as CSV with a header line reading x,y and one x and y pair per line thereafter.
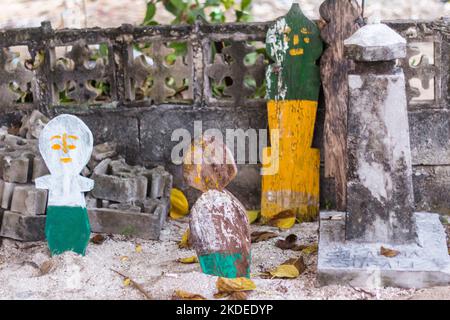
x,y
341,22
294,44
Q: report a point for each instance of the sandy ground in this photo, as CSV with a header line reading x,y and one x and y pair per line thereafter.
x,y
112,13
25,272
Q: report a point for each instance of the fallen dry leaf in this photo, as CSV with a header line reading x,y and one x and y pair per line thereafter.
x,y
390,253
98,239
124,258
311,249
46,267
239,295
179,206
288,243
283,220
290,269
226,285
259,236
188,260
184,295
253,215
185,243
138,248
126,282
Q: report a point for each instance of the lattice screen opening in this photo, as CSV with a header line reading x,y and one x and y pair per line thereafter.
x,y
161,72
236,71
80,74
15,78
420,71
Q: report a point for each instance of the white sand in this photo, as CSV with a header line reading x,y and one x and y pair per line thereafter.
x,y
157,270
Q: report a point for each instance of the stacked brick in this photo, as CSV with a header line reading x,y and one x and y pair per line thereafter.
x,y
128,200
22,206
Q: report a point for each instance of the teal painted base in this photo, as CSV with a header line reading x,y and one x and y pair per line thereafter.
x,y
225,265
67,229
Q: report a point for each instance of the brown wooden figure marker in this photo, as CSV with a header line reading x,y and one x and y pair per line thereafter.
x,y
341,22
219,228
293,82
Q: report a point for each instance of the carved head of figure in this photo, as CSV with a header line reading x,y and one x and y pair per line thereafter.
x,y
66,145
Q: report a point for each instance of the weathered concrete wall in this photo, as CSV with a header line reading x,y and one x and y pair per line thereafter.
x,y
129,115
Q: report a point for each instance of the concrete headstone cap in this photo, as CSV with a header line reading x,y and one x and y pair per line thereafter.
x,y
375,42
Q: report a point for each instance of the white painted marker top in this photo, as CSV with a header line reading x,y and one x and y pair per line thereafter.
x,y
66,145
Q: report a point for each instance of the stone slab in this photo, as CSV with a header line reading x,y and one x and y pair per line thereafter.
x,y
23,228
141,225
419,265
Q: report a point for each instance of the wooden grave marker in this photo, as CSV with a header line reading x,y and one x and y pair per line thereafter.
x,y
293,81
219,228
66,145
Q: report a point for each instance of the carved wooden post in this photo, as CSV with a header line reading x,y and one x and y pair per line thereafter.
x,y
66,146
220,232
293,81
341,17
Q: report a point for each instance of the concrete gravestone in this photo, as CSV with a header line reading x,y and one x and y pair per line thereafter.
x,y
219,226
380,203
66,145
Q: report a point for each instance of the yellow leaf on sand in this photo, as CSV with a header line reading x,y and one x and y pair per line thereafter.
x,y
124,258
179,206
188,260
184,243
184,295
311,249
233,285
285,271
283,220
253,215
289,269
126,282
138,248
390,253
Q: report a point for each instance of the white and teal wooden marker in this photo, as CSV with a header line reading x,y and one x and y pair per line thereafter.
x,y
66,145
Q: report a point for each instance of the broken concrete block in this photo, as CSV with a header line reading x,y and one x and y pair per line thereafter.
x,y
39,168
8,190
28,200
15,169
90,202
32,125
2,186
141,225
104,150
18,143
24,228
125,207
119,189
102,167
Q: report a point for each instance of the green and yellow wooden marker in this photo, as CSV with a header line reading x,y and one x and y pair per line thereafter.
x,y
291,191
66,145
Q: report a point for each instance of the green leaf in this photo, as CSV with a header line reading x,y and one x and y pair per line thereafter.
x,y
217,16
179,47
212,3
103,50
245,4
227,3
242,16
150,13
